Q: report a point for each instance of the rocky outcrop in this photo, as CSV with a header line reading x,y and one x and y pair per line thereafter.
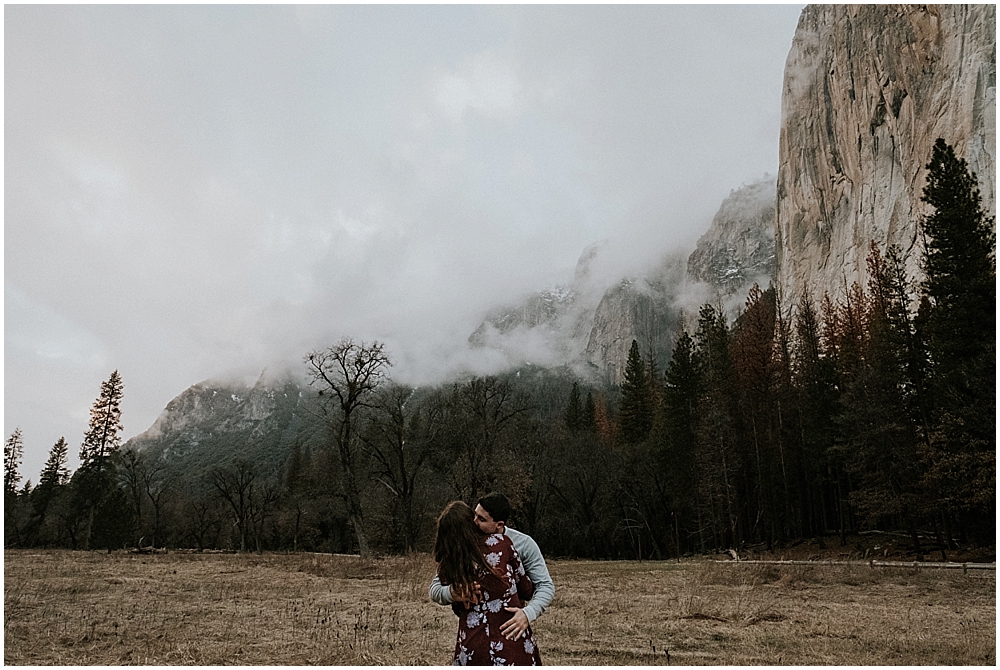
x,y
211,424
639,309
550,327
589,325
555,312
738,249
867,91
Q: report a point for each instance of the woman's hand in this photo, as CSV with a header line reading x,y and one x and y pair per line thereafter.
x,y
515,627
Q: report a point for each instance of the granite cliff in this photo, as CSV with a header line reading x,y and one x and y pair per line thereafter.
x,y
738,249
590,326
211,423
867,91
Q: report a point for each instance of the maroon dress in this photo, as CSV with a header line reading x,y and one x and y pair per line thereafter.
x,y
480,641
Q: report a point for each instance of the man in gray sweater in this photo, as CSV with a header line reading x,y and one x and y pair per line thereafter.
x,y
491,517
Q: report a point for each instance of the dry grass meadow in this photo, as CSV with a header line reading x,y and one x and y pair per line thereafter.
x,y
90,608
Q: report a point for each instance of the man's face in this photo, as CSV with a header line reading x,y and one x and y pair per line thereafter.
x,y
485,522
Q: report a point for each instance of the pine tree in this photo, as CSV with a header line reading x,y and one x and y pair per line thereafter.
x,y
13,450
719,459
878,436
53,477
637,405
959,263
959,314
679,435
574,416
103,437
55,473
683,384
817,402
96,494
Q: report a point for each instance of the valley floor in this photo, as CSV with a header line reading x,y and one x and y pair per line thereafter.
x,y
92,608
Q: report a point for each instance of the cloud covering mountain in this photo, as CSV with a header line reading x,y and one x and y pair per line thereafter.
x,y
197,191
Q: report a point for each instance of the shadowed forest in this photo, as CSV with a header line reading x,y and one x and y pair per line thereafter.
x,y
807,417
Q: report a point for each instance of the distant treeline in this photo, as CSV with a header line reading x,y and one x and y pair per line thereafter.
x,y
872,411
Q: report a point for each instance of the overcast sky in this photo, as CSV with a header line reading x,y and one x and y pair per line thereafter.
x,y
194,192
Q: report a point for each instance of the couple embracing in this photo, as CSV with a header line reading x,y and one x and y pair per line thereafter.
x,y
495,580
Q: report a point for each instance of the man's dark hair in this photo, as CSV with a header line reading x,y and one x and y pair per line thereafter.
x,y
497,505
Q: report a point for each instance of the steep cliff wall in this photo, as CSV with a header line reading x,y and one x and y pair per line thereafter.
x,y
738,249
635,309
868,89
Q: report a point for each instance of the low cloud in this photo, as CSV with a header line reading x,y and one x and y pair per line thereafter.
x,y
196,191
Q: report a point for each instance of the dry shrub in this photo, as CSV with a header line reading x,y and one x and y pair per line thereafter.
x,y
411,574
802,576
746,598
736,574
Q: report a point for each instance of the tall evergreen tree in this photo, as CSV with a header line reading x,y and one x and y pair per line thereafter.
x,y
103,507
819,480
683,384
637,402
54,476
13,450
879,439
959,264
679,436
103,437
55,472
724,516
960,316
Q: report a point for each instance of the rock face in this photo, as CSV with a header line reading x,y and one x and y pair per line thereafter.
x,y
867,91
549,327
738,249
556,316
641,309
211,424
589,326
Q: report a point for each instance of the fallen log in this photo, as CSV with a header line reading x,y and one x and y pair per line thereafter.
x,y
964,567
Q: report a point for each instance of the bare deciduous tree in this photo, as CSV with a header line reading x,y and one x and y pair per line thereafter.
x,y
399,438
347,374
235,485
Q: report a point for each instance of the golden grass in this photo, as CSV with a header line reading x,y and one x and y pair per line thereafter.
x,y
89,608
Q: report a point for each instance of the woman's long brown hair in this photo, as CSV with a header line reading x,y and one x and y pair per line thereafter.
x,y
456,546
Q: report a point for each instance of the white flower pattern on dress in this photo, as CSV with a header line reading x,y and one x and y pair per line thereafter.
x,y
474,618
463,657
495,649
480,618
520,563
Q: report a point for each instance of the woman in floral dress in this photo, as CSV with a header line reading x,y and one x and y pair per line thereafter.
x,y
467,558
